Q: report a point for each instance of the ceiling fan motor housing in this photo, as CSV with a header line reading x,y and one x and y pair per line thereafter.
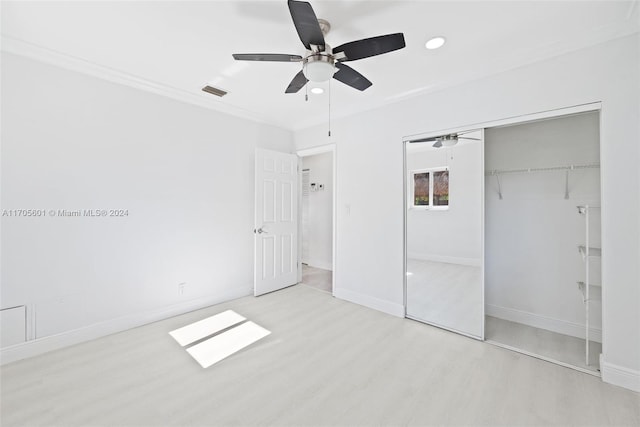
x,y
325,26
449,140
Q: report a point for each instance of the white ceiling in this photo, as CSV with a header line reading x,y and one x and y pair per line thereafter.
x,y
177,47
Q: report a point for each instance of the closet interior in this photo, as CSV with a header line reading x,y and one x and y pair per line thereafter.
x,y
543,287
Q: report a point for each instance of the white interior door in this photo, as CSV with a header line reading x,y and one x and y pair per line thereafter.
x,y
276,221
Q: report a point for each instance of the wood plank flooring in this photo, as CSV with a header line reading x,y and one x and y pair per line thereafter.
x,y
563,348
326,362
317,278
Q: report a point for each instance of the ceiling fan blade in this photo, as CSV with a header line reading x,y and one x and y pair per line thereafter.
x,y
370,47
351,77
277,57
423,140
306,23
437,144
466,137
297,83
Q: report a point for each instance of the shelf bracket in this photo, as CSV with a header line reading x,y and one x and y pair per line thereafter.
x,y
499,186
566,183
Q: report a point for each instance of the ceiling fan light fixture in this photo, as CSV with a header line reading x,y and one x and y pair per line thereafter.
x,y
435,43
318,68
317,90
449,140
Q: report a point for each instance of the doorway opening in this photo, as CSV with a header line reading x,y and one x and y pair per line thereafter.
x,y
317,217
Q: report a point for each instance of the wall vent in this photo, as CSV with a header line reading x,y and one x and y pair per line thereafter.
x,y
214,91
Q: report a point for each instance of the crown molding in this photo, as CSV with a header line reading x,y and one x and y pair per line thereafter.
x,y
49,56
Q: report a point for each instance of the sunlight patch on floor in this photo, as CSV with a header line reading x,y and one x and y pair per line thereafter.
x,y
206,327
221,344
224,345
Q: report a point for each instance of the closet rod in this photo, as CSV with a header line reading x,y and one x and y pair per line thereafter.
x,y
552,168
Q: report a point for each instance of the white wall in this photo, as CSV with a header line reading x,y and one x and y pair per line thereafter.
x,y
369,245
320,220
453,235
531,262
185,174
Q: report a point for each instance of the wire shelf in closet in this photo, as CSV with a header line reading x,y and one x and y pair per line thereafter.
x,y
542,169
567,169
595,291
592,252
590,291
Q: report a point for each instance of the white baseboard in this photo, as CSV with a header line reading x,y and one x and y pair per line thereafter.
x,y
620,376
323,265
474,262
119,324
543,322
369,301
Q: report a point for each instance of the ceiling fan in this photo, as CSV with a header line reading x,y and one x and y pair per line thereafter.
x,y
320,62
445,140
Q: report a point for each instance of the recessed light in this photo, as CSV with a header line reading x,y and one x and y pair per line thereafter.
x,y
317,90
435,43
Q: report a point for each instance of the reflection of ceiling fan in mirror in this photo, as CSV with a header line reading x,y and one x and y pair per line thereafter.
x,y
445,140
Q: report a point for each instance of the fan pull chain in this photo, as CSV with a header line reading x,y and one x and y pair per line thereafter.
x,y
306,95
329,108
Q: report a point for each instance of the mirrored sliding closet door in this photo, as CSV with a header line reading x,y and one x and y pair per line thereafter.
x,y
444,195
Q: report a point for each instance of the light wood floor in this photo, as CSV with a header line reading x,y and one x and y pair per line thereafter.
x,y
326,362
563,348
317,278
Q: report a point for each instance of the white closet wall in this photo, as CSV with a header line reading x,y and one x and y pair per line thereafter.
x,y
532,234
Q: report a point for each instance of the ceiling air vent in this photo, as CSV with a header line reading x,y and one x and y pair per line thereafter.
x,y
214,91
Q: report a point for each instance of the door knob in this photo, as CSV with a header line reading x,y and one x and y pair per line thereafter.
x,y
259,231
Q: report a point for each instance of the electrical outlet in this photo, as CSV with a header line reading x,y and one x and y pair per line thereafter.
x,y
181,288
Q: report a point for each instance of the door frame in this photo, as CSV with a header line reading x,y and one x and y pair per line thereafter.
x,y
507,121
321,149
